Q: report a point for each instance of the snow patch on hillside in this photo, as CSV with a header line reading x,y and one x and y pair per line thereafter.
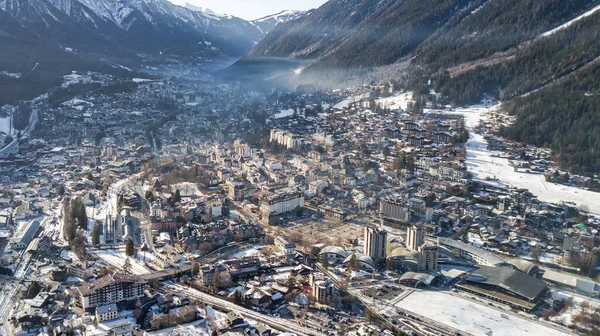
x,y
567,24
10,74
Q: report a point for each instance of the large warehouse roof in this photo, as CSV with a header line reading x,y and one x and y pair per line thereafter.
x,y
509,279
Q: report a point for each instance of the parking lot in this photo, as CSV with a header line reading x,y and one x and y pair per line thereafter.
x,y
326,322
384,292
325,231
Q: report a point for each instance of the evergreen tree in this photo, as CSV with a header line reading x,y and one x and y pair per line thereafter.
x,y
195,268
129,247
69,228
96,235
177,196
78,213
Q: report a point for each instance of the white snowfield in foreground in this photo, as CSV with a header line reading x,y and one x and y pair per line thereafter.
x,y
482,165
471,317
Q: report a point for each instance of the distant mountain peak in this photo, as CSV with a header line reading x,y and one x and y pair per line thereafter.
x,y
282,16
267,23
204,10
106,26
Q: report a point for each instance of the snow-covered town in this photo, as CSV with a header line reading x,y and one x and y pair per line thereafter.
x,y
354,213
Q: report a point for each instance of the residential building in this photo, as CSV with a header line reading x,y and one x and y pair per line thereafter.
x,y
428,258
106,312
322,287
375,243
285,245
236,189
283,201
415,237
112,288
392,208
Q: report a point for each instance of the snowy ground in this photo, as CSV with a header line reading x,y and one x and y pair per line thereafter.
x,y
482,165
126,318
249,252
116,258
346,102
199,328
566,317
142,80
396,102
471,317
16,75
77,104
187,189
284,113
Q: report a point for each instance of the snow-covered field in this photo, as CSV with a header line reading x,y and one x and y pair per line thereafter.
x,y
284,113
471,317
396,102
116,258
246,253
482,165
142,80
346,102
187,189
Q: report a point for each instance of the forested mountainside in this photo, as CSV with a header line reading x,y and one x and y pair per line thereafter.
x,y
551,86
358,33
565,117
29,64
493,26
542,62
436,34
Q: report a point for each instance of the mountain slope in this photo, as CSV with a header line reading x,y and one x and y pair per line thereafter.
x,y
551,86
134,26
494,26
355,33
565,117
29,65
268,23
348,34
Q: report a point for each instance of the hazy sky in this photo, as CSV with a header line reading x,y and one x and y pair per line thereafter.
x,y
252,9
